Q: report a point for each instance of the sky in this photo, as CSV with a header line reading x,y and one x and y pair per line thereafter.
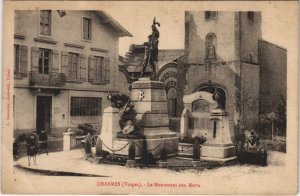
x,y
138,22
139,25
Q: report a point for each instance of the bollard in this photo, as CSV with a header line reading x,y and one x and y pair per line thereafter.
x,y
99,151
196,154
163,163
88,146
131,154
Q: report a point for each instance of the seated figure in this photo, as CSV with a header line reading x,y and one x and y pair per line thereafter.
x,y
127,114
251,141
128,120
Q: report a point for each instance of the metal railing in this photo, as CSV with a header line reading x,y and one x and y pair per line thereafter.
x,y
51,79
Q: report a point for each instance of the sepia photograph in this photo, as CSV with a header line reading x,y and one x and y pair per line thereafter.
x,y
150,98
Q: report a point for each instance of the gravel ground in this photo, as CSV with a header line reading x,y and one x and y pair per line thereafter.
x,y
208,180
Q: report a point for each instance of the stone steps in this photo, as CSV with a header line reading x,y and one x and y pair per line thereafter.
x,y
187,156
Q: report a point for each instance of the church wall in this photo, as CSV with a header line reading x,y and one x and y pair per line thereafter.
x,y
249,95
273,72
250,33
197,28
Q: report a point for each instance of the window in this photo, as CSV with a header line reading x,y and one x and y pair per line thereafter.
x,y
85,106
45,22
44,60
210,15
99,68
73,66
250,16
17,60
210,44
87,28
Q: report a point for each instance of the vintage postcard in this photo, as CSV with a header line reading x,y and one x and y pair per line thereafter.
x,y
150,97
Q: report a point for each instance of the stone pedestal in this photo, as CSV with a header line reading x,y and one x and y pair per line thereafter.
x,y
110,127
150,101
219,146
69,140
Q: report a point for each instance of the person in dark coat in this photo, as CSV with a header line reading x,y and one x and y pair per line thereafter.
x,y
32,147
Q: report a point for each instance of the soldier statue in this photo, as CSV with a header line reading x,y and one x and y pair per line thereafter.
x,y
151,53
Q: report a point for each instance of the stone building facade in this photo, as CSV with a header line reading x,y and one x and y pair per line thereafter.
x,y
224,52
66,62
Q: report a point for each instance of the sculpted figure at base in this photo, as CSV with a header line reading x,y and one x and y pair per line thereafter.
x,y
251,141
127,113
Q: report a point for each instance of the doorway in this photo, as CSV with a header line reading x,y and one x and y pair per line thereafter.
x,y
43,113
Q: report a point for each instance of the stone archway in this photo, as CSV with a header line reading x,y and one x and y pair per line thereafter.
x,y
219,95
168,75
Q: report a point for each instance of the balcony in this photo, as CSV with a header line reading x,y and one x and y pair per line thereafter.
x,y
46,80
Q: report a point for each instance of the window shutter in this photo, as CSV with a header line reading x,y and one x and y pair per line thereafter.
x,y
85,28
72,75
35,59
207,15
55,61
24,61
65,63
101,69
107,70
92,63
82,61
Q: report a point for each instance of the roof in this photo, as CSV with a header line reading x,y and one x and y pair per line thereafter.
x,y
168,55
271,44
108,20
135,57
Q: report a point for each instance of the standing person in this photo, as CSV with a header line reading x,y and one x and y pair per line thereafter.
x,y
32,146
43,141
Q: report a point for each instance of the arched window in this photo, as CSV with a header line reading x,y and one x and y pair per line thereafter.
x,y
210,46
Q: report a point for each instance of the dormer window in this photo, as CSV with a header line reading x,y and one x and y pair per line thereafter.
x,y
210,15
250,16
45,22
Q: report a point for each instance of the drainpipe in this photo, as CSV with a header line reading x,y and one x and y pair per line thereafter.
x,y
69,109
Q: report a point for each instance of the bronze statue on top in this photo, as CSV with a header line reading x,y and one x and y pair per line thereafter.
x,y
151,52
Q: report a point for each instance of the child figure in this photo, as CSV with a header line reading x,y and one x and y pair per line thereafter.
x,y
32,147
